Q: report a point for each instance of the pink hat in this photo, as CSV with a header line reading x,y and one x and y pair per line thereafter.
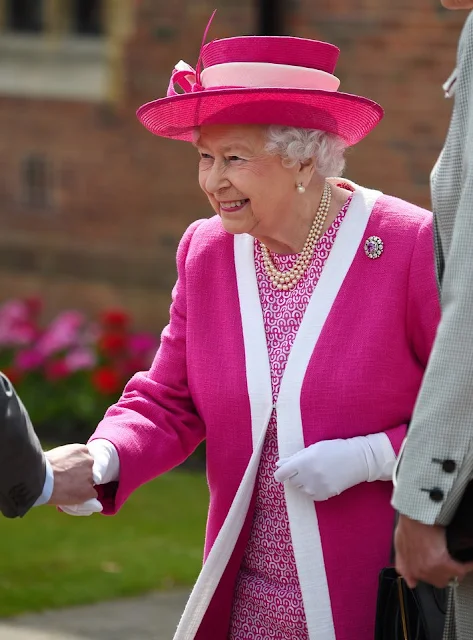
x,y
265,80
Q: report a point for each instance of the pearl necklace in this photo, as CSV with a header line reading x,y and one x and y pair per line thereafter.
x,y
286,280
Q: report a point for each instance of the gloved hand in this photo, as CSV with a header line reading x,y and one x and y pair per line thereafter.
x,y
86,508
328,468
106,468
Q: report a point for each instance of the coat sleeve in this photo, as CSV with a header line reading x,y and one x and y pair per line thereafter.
x,y
155,426
22,461
428,489
422,311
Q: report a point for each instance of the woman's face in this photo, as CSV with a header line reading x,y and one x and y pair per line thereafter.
x,y
247,187
457,4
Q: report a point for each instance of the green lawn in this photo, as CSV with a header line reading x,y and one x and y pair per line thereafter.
x,y
49,559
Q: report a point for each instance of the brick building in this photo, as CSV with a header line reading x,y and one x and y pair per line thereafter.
x,y
92,205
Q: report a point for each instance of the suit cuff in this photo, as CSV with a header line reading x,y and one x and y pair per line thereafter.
x,y
47,487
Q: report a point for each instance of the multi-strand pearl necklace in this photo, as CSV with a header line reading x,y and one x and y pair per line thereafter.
x,y
286,280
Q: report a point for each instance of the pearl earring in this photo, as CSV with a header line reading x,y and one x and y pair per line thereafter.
x,y
300,188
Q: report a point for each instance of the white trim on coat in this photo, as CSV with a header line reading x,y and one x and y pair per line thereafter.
x,y
258,373
260,398
301,510
302,514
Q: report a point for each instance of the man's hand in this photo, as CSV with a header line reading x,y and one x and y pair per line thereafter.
x,y
73,481
421,554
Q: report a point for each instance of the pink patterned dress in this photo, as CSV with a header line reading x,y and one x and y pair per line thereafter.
x,y
268,600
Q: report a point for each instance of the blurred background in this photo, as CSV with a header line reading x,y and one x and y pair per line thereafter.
x,y
92,207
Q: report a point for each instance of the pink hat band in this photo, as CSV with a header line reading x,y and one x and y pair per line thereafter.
x,y
264,74
250,74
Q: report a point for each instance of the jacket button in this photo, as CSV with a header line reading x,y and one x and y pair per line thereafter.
x,y
436,494
449,466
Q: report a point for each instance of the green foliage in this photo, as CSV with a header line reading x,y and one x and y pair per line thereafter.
x,y
70,370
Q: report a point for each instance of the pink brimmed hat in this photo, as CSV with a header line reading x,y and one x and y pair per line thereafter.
x,y
265,80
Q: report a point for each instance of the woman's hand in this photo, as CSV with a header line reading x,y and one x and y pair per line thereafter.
x,y
328,468
106,468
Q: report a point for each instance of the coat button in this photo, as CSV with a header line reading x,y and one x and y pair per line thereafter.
x,y
449,466
436,494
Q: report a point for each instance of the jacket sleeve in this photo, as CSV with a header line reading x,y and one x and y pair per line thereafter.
x,y
155,426
437,460
22,461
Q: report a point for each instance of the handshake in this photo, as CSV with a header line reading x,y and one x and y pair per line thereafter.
x,y
64,476
75,469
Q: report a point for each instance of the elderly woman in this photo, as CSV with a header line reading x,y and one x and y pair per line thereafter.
x,y
301,324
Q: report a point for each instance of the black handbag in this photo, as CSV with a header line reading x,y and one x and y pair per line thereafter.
x,y
408,614
419,614
460,530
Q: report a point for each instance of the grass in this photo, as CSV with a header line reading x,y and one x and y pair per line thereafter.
x,y
49,559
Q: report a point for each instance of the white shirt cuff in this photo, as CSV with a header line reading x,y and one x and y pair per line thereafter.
x,y
48,486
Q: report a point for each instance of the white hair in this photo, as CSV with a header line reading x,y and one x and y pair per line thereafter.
x,y
294,145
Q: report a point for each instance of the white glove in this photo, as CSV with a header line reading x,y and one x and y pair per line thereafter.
x,y
86,508
328,468
106,468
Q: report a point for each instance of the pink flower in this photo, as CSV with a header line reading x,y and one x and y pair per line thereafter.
x,y
20,335
14,310
91,334
28,360
16,328
64,332
142,343
80,359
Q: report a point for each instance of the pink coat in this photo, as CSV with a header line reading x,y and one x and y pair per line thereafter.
x,y
365,347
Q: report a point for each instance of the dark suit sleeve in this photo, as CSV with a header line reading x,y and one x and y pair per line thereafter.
x,y
22,461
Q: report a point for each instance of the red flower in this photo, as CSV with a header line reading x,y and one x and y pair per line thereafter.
x,y
106,380
56,370
112,344
115,318
13,375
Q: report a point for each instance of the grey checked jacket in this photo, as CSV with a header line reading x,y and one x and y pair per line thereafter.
x,y
437,460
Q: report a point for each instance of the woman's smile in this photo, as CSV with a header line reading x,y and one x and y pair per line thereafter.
x,y
233,206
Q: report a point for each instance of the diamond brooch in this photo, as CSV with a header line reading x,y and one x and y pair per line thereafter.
x,y
374,247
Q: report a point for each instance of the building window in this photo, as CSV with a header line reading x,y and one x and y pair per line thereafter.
x,y
25,16
72,48
79,17
87,17
271,17
35,182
